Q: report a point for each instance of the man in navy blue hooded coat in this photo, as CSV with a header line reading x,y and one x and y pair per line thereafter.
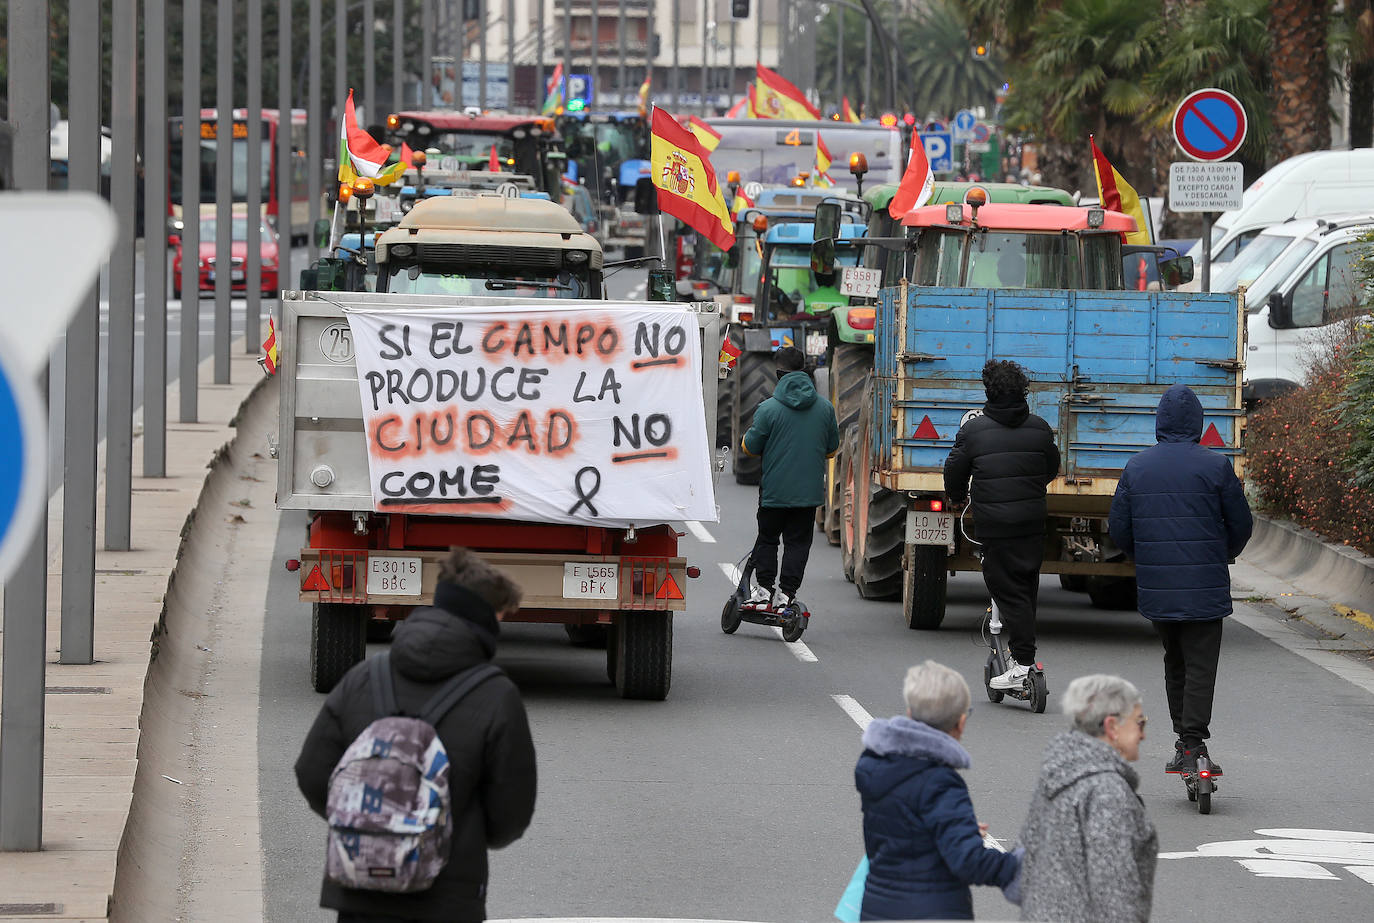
x,y
1180,511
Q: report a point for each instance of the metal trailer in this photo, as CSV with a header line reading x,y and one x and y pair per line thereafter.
x,y
1098,362
322,469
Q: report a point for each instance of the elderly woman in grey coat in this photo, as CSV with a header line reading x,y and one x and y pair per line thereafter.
x,y
1090,850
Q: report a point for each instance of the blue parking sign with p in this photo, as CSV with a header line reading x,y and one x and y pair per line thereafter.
x,y
938,151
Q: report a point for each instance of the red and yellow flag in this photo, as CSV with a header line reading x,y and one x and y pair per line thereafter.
x,y
751,111
1116,194
847,114
778,98
823,161
644,96
917,182
708,136
686,182
271,355
741,110
742,201
729,352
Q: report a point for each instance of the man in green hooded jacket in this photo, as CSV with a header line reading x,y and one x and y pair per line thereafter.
x,y
794,432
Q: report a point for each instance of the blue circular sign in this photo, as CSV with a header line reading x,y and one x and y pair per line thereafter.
x,y
23,494
1209,124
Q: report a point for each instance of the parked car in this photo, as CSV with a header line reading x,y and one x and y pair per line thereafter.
x,y
267,239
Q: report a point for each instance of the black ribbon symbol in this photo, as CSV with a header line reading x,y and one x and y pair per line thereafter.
x,y
584,495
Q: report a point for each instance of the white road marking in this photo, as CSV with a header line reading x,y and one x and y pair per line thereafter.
x,y
699,532
798,648
854,710
1295,853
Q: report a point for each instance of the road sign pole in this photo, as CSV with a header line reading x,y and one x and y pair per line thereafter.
x,y
154,239
26,595
119,366
596,48
1206,276
677,49
336,104
285,144
314,182
224,189
252,285
82,391
398,41
188,379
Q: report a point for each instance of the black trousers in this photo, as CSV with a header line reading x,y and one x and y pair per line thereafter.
x,y
1191,652
795,525
1011,570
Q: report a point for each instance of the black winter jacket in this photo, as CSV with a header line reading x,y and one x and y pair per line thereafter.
x,y
1181,512
1010,454
487,736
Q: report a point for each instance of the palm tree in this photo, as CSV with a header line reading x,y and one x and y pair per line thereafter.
x,y
1083,74
1301,76
940,73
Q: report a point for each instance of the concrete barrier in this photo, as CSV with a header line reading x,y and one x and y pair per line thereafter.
x,y
1320,568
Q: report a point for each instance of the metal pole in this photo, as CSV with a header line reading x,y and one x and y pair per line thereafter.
x,y
188,377
398,41
868,64
539,79
252,308
458,42
734,74
314,168
26,594
1207,218
286,154
510,54
705,44
341,85
426,100
481,52
677,50
119,367
892,62
839,54
224,189
621,29
82,393
596,50
154,239
649,47
567,45
758,34
370,63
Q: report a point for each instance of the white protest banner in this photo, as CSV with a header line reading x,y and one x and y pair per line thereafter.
x,y
576,415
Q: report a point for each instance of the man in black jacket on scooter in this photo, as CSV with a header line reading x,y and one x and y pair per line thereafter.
x,y
1010,456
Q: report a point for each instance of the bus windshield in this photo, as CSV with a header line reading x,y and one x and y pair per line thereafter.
x,y
487,280
775,154
238,155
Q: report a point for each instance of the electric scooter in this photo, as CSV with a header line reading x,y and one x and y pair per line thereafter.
x,y
1200,785
791,620
1033,688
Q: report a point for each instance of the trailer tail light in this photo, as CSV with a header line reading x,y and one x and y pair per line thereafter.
x,y
746,316
693,571
926,430
937,506
293,564
863,318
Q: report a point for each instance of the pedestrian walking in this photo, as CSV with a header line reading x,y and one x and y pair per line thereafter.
x,y
421,760
925,847
1090,849
794,432
1180,512
1003,462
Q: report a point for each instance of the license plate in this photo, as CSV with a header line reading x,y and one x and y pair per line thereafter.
x,y
924,527
860,281
591,580
236,275
816,344
393,576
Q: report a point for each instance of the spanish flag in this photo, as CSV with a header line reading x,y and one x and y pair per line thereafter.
x,y
686,182
742,201
708,136
271,355
847,114
823,161
741,110
1116,194
917,182
751,111
644,96
778,98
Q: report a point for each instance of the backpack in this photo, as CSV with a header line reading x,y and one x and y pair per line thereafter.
x,y
390,818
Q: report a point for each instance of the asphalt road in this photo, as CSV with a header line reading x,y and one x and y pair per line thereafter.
x,y
734,799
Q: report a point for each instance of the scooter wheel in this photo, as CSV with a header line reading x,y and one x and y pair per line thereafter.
x,y
1204,802
994,695
730,616
1039,692
794,626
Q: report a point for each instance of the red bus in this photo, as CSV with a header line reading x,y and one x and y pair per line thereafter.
x,y
272,171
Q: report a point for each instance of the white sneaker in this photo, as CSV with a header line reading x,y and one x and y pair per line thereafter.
x,y
1012,679
781,600
760,598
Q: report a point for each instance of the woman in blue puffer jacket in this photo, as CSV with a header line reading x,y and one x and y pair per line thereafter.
x,y
924,844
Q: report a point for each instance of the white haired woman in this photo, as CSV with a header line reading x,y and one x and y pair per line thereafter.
x,y
924,844
1090,849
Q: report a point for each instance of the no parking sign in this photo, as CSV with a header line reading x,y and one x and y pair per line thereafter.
x,y
38,305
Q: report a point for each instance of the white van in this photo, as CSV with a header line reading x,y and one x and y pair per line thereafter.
x,y
1309,287
1309,185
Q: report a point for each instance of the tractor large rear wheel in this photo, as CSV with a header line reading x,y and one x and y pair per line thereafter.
x,y
880,520
754,381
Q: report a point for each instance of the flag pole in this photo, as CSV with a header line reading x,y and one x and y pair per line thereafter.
x,y
658,212
334,235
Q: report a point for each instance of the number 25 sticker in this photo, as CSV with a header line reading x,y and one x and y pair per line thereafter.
x,y
336,342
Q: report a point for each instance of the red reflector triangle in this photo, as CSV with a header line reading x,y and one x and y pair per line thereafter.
x,y
1212,439
668,589
316,580
926,430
